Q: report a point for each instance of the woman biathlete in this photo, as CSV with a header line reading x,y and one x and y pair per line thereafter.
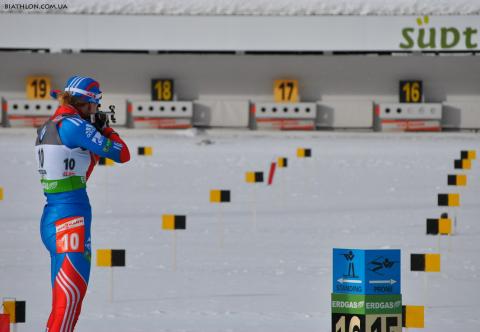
x,y
67,148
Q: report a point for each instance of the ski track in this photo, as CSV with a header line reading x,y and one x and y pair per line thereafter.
x,y
359,190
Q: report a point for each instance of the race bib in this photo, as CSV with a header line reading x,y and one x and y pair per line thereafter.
x,y
70,235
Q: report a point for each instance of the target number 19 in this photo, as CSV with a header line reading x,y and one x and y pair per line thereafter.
x,y
38,87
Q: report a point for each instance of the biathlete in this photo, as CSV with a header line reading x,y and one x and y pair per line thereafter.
x,y
68,147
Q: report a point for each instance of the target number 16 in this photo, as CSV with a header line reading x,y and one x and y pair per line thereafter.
x,y
411,92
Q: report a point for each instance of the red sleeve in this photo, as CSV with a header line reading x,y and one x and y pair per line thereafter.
x,y
113,136
93,161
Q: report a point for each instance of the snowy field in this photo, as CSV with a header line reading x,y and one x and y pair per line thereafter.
x,y
360,190
259,7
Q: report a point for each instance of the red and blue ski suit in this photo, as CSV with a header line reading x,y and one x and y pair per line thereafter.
x,y
68,148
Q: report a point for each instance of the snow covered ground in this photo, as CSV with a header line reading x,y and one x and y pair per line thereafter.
x,y
360,190
258,7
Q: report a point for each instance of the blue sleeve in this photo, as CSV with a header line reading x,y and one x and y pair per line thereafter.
x,y
76,132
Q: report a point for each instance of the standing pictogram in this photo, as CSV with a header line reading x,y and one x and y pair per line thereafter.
x,y
351,265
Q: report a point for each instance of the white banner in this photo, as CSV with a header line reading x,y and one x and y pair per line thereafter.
x,y
241,33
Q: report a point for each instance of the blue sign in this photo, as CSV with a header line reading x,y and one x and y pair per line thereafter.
x,y
383,271
348,271
357,271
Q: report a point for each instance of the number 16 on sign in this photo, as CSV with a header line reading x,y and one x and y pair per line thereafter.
x,y
410,92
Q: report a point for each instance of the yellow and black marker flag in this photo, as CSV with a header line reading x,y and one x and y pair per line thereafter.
x,y
425,262
1,194
282,162
462,164
16,310
413,316
110,257
219,196
448,199
442,226
105,161
254,177
171,222
145,151
304,153
468,154
457,180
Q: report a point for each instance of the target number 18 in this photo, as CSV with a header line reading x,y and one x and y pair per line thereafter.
x,y
162,89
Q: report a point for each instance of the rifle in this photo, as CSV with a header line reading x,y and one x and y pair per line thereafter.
x,y
107,115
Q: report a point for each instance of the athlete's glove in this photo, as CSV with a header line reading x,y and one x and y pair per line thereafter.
x,y
101,121
110,133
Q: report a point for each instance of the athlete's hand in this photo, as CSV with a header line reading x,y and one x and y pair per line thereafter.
x,y
101,121
109,132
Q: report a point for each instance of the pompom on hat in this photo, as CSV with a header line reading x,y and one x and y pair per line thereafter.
x,y
85,88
